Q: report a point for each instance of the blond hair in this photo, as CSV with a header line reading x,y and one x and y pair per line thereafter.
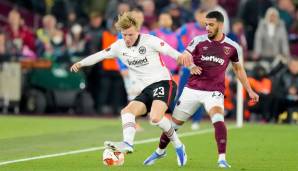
x,y
127,20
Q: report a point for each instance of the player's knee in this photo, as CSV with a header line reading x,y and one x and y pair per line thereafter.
x,y
126,110
155,119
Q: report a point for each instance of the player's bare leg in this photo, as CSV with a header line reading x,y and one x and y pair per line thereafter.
x,y
157,117
128,114
160,152
217,117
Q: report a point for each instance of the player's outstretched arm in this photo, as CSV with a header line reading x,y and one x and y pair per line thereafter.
x,y
94,58
241,75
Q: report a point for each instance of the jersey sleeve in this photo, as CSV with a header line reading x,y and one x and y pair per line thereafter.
x,y
192,45
237,55
161,46
109,52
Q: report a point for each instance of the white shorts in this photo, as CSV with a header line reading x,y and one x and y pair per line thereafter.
x,y
191,99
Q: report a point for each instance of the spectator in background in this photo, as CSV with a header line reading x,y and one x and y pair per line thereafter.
x,y
271,39
51,42
4,48
76,42
179,14
286,11
252,12
293,36
192,29
286,82
212,5
261,84
94,44
166,33
72,19
238,35
150,16
94,33
20,37
231,6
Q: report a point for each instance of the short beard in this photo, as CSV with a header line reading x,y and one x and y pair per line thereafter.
x,y
211,37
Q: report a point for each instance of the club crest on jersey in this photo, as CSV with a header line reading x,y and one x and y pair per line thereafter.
x,y
162,43
205,47
142,50
227,50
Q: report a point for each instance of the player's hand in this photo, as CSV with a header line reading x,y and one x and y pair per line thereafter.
x,y
196,70
185,60
75,67
254,97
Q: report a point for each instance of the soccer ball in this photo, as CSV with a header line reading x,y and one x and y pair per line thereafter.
x,y
112,158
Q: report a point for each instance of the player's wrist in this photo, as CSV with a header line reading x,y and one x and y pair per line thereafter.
x,y
191,66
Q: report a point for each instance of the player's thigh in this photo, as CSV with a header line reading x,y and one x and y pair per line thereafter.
x,y
214,102
157,110
188,102
135,107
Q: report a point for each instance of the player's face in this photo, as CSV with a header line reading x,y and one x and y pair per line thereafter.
x,y
165,20
212,27
130,35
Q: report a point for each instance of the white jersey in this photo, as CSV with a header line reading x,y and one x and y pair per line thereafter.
x,y
142,59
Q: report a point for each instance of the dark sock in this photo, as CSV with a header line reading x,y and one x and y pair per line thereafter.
x,y
163,141
220,136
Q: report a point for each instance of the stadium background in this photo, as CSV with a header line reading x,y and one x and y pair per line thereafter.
x,y
40,39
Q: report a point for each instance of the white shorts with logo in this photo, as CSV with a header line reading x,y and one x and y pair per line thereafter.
x,y
191,99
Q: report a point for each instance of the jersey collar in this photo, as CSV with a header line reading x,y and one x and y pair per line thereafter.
x,y
220,41
137,41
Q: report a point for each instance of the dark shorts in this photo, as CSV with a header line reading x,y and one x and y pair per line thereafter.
x,y
162,90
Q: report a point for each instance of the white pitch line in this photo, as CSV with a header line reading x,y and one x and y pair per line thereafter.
x,y
186,134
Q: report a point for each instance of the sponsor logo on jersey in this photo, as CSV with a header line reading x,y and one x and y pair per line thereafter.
x,y
213,59
138,62
142,50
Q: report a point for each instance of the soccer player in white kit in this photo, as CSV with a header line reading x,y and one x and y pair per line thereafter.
x,y
140,53
211,54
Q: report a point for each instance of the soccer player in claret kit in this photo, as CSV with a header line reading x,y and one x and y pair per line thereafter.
x,y
211,54
140,53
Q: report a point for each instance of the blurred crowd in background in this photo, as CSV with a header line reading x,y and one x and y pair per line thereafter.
x,y
63,31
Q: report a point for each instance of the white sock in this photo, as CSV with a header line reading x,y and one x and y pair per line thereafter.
x,y
221,156
160,151
129,127
167,127
217,118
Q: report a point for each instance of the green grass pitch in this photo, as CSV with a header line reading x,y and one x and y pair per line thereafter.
x,y
255,147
